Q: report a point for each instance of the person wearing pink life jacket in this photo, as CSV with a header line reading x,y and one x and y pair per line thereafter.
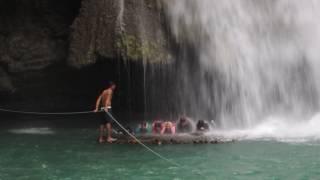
x,y
168,128
156,127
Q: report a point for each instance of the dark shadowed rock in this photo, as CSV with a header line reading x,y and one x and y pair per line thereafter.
x,y
41,38
34,35
30,51
5,81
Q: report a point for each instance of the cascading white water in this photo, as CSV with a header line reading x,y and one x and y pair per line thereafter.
x,y
120,24
256,60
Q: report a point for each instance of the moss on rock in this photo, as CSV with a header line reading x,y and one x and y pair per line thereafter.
x,y
131,29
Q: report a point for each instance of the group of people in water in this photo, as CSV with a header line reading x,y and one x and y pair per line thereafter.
x,y
183,125
103,106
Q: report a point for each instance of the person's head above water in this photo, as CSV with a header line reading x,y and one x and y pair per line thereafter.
x,y
183,119
157,123
168,124
202,125
184,125
144,124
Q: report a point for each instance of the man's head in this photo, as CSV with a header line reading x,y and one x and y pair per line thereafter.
x,y
183,120
143,124
111,85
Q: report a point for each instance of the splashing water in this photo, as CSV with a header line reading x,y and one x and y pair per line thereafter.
x,y
277,128
120,24
254,64
38,131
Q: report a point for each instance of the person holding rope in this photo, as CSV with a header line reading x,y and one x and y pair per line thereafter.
x,y
104,103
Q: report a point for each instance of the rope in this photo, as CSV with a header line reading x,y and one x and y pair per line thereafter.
x,y
117,122
87,112
149,149
145,146
45,113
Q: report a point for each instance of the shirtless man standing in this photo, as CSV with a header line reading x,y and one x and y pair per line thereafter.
x,y
104,102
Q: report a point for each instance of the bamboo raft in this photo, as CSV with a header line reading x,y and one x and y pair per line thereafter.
x,y
194,138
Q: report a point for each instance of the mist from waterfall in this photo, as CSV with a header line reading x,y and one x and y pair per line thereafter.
x,y
245,63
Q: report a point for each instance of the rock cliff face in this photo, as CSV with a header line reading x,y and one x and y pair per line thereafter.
x,y
131,29
42,40
33,35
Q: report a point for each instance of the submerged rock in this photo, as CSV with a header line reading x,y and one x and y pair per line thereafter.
x,y
173,139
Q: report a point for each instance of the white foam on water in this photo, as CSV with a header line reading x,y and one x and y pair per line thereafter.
x,y
41,131
279,129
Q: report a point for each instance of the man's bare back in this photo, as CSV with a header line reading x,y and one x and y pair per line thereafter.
x,y
106,98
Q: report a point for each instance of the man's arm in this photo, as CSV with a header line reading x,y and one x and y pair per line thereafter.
x,y
97,104
162,129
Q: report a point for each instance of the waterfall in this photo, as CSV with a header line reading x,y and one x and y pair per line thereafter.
x,y
120,23
242,62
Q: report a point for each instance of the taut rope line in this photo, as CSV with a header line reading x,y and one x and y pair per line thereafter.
x,y
45,113
117,122
87,112
142,144
149,149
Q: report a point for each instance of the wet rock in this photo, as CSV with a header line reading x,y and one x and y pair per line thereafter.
x,y
33,34
5,82
33,51
39,38
131,29
173,139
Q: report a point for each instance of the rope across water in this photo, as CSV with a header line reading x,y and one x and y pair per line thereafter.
x,y
113,118
149,149
141,143
45,113
88,112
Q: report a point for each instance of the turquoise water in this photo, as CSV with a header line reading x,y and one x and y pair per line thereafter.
x,y
68,154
